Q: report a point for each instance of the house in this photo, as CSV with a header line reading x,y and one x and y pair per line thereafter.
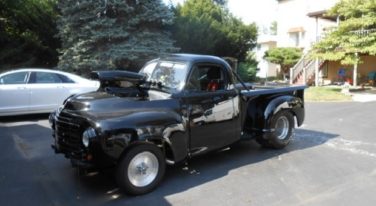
x,y
298,25
301,23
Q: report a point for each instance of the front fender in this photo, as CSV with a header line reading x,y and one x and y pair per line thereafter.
x,y
161,127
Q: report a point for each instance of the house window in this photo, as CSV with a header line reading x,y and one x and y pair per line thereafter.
x,y
294,39
296,36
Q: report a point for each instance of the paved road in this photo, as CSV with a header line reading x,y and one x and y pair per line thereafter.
x,y
332,161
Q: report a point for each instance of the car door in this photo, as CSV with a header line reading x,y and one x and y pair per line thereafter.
x,y
211,113
47,91
14,93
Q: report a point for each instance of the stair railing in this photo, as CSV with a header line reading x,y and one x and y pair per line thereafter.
x,y
298,68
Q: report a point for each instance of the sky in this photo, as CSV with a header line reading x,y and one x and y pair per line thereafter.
x,y
262,12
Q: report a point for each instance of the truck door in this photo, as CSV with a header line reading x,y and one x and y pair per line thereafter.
x,y
211,115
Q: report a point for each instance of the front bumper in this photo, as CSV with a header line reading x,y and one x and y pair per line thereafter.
x,y
67,135
67,132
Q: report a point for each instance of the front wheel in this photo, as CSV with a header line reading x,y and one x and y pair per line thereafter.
x,y
282,125
141,169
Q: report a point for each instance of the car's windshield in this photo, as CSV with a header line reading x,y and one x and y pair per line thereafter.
x,y
171,75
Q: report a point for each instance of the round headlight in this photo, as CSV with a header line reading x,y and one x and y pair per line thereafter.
x,y
87,135
51,119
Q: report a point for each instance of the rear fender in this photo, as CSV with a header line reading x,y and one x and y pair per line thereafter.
x,y
291,103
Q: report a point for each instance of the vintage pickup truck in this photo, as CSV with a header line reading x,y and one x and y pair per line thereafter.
x,y
175,108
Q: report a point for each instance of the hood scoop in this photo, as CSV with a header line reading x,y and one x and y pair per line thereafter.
x,y
117,78
120,83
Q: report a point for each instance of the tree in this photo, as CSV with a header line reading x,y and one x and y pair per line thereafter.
x,y
247,69
355,35
109,34
206,27
286,57
28,33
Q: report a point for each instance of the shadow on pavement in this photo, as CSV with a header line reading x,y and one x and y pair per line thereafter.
x,y
21,118
32,166
201,170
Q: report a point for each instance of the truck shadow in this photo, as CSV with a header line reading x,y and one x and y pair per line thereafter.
x,y
50,177
21,118
203,169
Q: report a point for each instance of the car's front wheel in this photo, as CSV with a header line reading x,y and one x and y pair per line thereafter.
x,y
141,169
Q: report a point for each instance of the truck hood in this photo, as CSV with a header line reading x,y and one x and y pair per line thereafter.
x,y
102,105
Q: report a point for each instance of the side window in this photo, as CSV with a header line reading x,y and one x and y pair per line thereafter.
x,y
14,78
46,78
207,78
148,69
65,79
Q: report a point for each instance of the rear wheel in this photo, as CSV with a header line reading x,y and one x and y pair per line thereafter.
x,y
282,125
141,169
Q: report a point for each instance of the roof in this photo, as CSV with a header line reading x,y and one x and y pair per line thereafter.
x,y
36,70
267,39
321,15
296,29
193,58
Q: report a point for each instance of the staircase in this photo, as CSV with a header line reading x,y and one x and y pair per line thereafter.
x,y
304,71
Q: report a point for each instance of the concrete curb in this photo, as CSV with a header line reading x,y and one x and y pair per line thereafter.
x,y
364,97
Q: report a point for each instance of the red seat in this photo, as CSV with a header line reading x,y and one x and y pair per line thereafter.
x,y
212,86
214,76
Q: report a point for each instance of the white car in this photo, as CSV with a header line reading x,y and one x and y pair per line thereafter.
x,y
28,91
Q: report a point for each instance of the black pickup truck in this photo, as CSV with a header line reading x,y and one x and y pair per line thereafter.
x,y
175,108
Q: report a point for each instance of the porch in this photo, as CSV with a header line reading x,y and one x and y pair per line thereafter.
x,y
334,73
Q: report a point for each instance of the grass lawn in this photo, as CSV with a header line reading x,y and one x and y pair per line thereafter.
x,y
322,94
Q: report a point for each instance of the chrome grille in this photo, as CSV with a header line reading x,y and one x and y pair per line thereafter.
x,y
68,131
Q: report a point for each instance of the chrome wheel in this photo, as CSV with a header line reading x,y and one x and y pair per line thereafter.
x,y
282,124
143,169
282,127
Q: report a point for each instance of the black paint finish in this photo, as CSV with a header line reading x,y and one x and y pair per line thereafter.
x,y
182,124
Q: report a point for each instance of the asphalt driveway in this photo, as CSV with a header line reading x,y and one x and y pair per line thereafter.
x,y
331,161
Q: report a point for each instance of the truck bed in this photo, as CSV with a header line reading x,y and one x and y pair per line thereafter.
x,y
261,90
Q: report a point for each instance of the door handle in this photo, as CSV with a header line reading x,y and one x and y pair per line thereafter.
x,y
221,98
186,109
217,98
21,87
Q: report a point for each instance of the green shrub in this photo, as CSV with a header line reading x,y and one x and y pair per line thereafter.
x,y
247,72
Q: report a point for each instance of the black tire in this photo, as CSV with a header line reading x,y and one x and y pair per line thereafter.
x,y
124,172
279,138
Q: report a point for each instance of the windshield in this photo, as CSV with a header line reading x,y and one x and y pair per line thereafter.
x,y
170,75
